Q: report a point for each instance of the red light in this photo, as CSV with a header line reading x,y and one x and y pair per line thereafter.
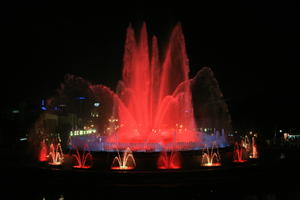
x,y
83,159
169,160
154,96
43,156
122,168
238,152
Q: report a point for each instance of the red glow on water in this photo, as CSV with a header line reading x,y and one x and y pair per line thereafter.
x,y
82,167
122,168
212,164
153,103
239,161
169,160
43,156
55,163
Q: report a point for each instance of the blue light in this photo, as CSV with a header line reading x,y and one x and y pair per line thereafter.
x,y
81,98
43,108
97,104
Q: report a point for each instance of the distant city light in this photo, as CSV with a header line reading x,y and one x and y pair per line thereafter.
x,y
23,139
97,104
15,111
280,131
82,132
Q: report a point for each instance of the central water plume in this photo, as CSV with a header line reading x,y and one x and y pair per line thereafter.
x,y
153,103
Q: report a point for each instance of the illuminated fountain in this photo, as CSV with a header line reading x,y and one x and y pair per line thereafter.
x,y
239,153
254,153
153,96
56,155
210,157
246,144
126,162
83,159
169,160
152,109
43,155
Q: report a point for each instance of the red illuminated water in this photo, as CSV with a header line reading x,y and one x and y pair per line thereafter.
x,y
83,159
153,100
238,154
43,155
56,155
254,153
169,160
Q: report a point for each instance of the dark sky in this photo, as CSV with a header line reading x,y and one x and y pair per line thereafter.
x,y
252,47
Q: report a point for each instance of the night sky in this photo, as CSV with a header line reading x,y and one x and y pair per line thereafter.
x,y
252,47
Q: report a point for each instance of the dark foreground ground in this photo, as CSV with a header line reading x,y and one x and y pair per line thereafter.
x,y
275,175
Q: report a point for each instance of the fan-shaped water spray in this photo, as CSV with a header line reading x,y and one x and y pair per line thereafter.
x,y
126,162
56,156
239,153
211,157
83,158
169,160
